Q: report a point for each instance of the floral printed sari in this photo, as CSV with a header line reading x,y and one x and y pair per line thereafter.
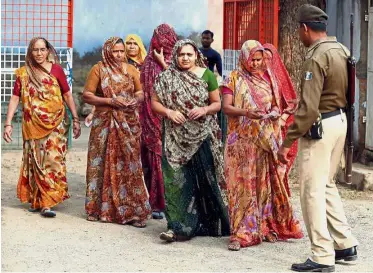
x,y
116,190
42,181
259,204
192,161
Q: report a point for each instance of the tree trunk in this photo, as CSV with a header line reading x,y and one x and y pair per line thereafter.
x,y
290,47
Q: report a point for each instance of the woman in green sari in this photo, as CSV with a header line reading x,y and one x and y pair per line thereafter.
x,y
187,95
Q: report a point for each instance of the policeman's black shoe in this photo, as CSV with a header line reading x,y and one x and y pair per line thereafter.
x,y
348,254
310,266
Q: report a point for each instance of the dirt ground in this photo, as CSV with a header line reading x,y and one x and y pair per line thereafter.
x,y
70,243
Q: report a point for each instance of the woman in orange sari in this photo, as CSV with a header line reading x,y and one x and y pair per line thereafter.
x,y
43,89
259,205
116,191
135,55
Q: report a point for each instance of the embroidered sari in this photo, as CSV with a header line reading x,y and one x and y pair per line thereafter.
x,y
287,103
42,181
259,204
151,139
116,190
192,161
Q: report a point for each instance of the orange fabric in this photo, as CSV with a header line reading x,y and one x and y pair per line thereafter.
x,y
43,108
93,82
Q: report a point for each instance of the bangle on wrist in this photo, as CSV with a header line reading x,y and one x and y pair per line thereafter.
x,y
7,125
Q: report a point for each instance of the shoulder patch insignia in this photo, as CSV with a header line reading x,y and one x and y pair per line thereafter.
x,y
308,76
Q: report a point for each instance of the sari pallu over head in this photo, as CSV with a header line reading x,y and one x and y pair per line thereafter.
x,y
42,102
164,37
251,91
183,90
142,51
288,102
116,81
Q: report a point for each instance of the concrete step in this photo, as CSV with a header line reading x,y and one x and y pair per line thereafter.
x,y
362,177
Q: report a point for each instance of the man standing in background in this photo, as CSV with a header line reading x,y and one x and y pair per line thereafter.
x,y
213,57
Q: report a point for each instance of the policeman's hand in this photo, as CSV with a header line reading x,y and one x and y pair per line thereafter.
x,y
197,112
283,155
8,130
176,117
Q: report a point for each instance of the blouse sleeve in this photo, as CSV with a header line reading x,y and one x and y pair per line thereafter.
x,y
61,78
136,77
211,81
93,79
17,87
227,91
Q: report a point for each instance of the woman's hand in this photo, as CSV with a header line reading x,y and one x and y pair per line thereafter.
x,y
197,112
89,118
283,119
253,114
176,116
76,129
8,130
274,115
159,57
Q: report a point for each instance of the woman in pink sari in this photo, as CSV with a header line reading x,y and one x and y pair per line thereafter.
x,y
288,101
259,205
159,57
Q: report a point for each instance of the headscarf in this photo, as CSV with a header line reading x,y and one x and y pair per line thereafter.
x,y
150,121
164,37
35,71
113,79
252,92
183,90
285,84
142,51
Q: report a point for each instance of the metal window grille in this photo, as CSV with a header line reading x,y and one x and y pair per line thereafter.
x,y
247,20
21,20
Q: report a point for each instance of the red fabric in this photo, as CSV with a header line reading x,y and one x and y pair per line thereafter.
x,y
164,37
56,71
288,98
227,91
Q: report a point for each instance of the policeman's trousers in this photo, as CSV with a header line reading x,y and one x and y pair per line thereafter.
x,y
321,204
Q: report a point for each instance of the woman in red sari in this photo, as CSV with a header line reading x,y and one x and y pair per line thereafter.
x,y
42,87
288,102
116,191
159,57
259,205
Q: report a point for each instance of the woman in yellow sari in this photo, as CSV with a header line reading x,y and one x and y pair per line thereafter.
x,y
42,88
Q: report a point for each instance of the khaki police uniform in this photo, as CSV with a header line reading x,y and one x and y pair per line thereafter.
x,y
323,90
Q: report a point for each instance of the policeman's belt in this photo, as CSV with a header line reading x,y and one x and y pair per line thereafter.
x,y
333,113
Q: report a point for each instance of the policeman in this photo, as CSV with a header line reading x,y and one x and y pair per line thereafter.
x,y
323,96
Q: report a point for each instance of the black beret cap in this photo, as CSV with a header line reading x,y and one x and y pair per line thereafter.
x,y
308,13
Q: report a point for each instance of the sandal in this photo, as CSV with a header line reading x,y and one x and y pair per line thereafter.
x,y
139,224
168,236
92,218
47,212
234,246
271,237
31,209
157,215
